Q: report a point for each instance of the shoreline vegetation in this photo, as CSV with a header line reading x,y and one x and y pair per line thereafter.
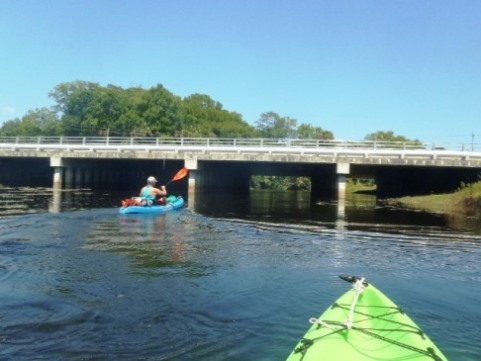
x,y
465,201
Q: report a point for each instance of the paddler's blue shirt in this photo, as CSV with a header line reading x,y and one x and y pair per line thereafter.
x,y
146,193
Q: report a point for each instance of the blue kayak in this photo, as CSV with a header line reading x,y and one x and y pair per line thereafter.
x,y
153,209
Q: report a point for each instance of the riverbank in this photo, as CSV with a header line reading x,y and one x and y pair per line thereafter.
x,y
465,201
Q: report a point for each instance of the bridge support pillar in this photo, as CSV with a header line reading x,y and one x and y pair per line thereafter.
x,y
193,181
193,177
57,164
63,174
342,170
341,196
56,201
57,177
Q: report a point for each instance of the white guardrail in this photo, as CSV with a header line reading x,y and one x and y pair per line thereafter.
x,y
261,145
213,142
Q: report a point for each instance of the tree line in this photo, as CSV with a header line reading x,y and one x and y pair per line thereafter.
x,y
88,109
83,108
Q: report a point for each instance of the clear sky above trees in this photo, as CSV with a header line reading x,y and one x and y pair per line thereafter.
x,y
351,67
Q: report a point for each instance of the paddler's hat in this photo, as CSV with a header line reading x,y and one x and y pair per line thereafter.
x,y
151,180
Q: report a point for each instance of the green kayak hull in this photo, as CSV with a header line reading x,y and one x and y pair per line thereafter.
x,y
380,330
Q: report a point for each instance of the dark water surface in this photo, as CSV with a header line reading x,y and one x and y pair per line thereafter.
x,y
233,278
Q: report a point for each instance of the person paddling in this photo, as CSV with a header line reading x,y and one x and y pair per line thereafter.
x,y
150,193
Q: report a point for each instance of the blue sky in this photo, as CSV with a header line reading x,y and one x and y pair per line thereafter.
x,y
352,67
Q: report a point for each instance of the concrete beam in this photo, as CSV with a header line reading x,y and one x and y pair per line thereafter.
x,y
191,163
56,161
342,168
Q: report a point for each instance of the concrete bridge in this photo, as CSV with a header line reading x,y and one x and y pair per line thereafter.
x,y
226,164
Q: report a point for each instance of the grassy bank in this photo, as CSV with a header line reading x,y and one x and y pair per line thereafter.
x,y
465,201
360,186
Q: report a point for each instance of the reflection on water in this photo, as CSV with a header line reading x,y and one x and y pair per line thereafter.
x,y
27,200
149,240
359,211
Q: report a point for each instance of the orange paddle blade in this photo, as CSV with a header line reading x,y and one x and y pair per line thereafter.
x,y
180,174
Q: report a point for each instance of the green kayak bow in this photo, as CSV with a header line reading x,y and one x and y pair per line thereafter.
x,y
364,324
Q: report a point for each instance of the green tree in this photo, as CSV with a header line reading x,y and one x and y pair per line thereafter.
x,y
78,117
307,131
272,125
195,117
160,110
35,123
90,109
131,122
388,136
280,183
11,128
202,116
62,92
104,110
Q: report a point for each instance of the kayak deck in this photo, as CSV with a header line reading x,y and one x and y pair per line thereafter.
x,y
365,325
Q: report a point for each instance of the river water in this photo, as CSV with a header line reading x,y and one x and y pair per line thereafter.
x,y
228,278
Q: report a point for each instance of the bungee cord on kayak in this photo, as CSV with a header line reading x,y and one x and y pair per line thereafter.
x,y
358,287
429,352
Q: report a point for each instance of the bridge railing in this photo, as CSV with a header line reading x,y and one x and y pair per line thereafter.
x,y
210,142
232,142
